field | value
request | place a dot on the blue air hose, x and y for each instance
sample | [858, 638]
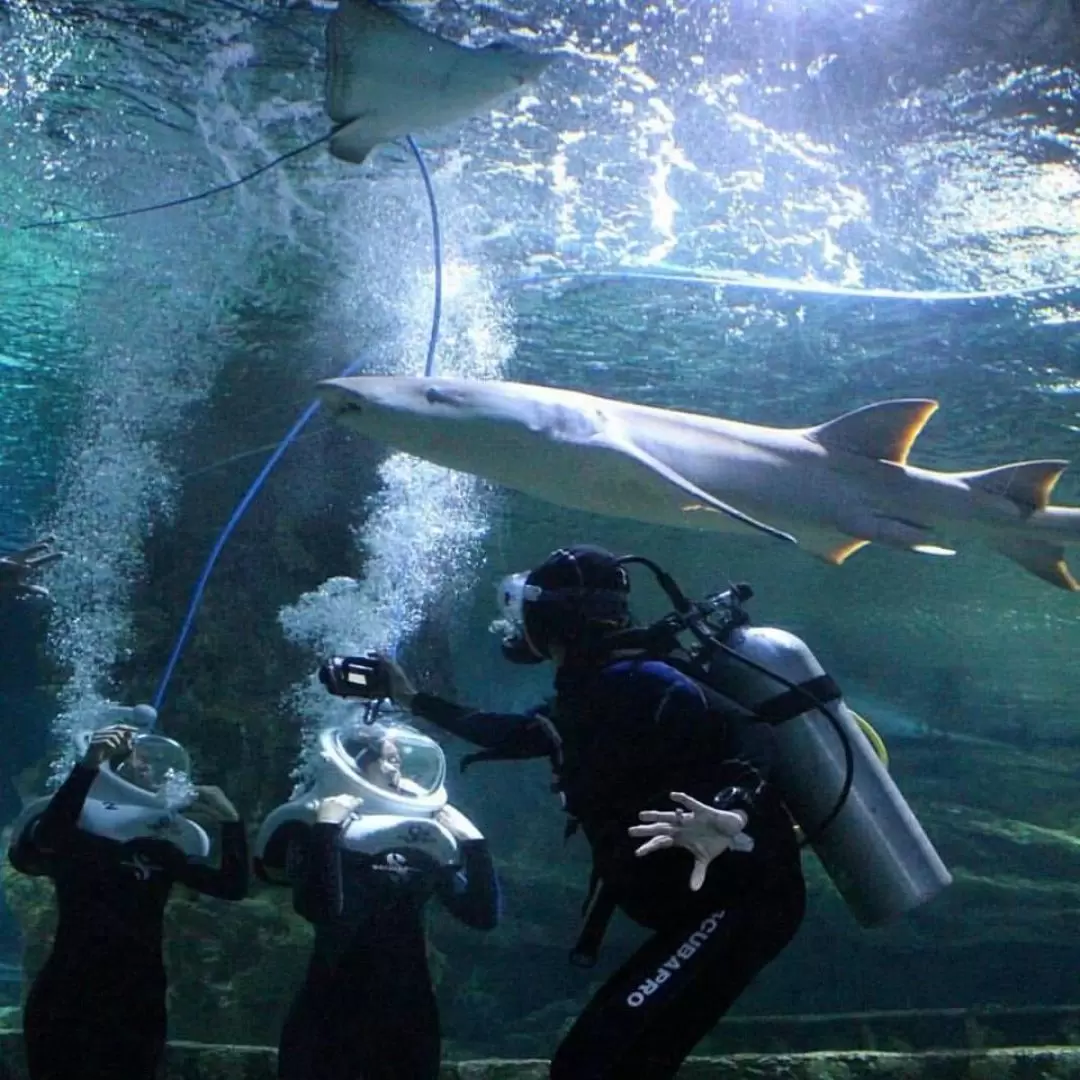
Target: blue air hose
[294, 431]
[436, 242]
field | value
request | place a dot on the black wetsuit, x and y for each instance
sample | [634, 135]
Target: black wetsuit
[622, 736]
[367, 1009]
[96, 1010]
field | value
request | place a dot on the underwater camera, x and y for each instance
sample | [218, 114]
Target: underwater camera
[356, 677]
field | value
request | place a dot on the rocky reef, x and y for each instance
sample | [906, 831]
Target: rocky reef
[196, 1061]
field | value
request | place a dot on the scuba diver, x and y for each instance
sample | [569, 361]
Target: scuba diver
[114, 840]
[17, 566]
[637, 720]
[364, 841]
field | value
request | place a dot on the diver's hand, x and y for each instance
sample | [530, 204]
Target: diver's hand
[108, 742]
[703, 830]
[334, 809]
[402, 690]
[212, 802]
[17, 566]
[457, 824]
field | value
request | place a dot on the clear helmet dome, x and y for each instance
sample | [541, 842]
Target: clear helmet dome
[155, 764]
[395, 759]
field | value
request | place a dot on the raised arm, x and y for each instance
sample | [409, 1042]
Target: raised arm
[229, 880]
[317, 892]
[470, 892]
[55, 832]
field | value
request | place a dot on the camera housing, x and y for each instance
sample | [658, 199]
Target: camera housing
[363, 677]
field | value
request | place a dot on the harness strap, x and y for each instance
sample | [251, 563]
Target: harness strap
[599, 906]
[795, 702]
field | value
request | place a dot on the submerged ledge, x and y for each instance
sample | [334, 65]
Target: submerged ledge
[199, 1061]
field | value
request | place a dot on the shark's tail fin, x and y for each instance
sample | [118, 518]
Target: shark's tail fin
[1044, 558]
[1028, 485]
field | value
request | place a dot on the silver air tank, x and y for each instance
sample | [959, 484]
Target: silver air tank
[874, 849]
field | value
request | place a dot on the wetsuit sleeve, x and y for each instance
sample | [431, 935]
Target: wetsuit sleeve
[317, 894]
[471, 892]
[55, 830]
[229, 881]
[520, 735]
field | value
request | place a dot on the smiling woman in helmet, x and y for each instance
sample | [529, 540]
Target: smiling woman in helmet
[364, 843]
[381, 764]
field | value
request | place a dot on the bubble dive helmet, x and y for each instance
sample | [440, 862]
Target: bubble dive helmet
[397, 772]
[140, 794]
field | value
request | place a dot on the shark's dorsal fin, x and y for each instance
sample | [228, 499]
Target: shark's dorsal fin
[884, 430]
[1026, 483]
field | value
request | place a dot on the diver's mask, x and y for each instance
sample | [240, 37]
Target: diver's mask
[577, 596]
[511, 595]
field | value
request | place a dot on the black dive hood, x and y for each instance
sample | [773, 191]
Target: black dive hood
[524, 602]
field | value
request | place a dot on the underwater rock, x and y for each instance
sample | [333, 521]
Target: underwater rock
[196, 1061]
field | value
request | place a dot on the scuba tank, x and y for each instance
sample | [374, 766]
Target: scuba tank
[118, 809]
[836, 787]
[386, 818]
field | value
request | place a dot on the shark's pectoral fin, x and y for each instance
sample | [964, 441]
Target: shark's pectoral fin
[1043, 558]
[884, 430]
[903, 534]
[1028, 484]
[835, 548]
[354, 142]
[831, 546]
[701, 500]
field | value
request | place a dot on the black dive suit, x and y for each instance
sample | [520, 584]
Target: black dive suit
[96, 1010]
[622, 735]
[367, 1010]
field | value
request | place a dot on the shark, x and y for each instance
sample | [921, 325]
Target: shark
[833, 487]
[387, 78]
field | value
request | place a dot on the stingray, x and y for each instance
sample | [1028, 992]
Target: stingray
[387, 78]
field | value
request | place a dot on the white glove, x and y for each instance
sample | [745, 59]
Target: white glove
[704, 831]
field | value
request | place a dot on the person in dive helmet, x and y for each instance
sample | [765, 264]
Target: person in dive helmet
[717, 878]
[364, 845]
[115, 837]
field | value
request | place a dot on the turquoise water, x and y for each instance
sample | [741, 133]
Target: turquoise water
[770, 212]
